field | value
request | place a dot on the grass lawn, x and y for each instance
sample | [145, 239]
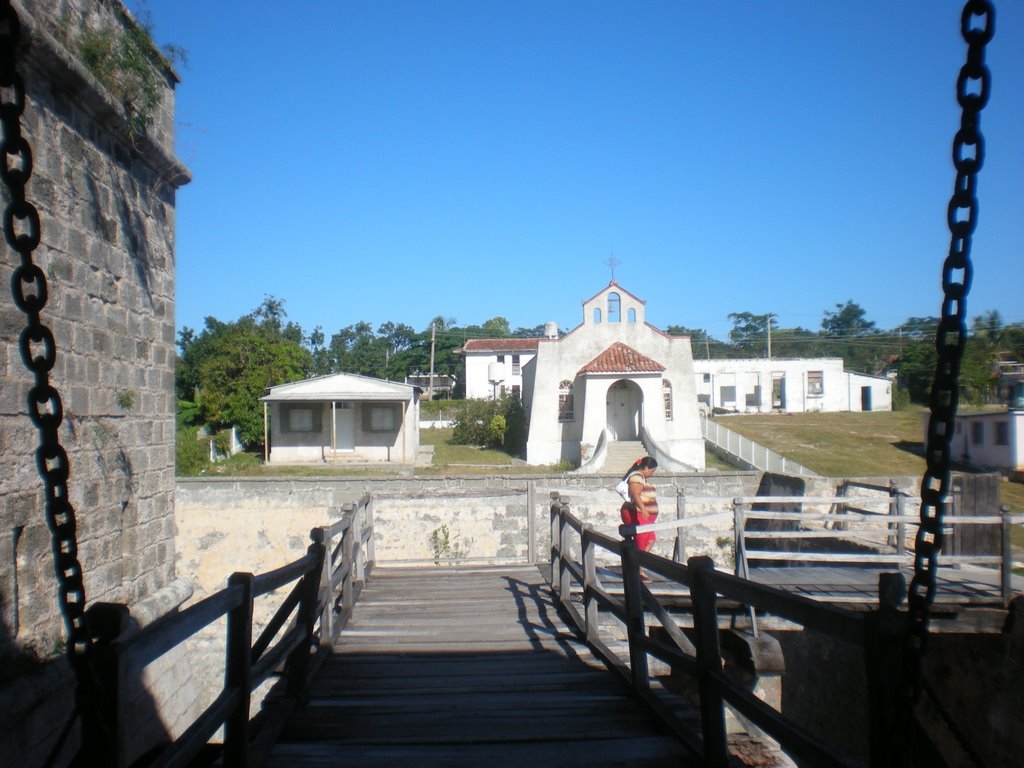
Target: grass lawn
[851, 444]
[855, 444]
[841, 444]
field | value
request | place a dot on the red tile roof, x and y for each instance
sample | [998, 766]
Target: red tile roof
[500, 345]
[619, 358]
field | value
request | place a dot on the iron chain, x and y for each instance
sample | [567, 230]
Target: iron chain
[22, 230]
[977, 27]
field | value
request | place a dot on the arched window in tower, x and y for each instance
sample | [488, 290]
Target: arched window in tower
[666, 394]
[565, 404]
[631, 315]
[613, 307]
[597, 315]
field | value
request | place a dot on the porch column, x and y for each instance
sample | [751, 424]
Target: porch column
[266, 442]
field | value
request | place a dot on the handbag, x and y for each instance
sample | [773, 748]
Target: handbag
[622, 488]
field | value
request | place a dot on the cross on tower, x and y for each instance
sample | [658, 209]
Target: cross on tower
[613, 263]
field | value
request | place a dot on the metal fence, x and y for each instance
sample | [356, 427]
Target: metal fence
[747, 452]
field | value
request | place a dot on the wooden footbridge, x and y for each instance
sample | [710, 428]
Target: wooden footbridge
[582, 661]
[464, 667]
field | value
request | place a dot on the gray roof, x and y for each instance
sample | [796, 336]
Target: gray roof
[341, 386]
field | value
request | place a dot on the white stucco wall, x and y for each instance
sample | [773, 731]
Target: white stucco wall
[399, 445]
[478, 384]
[841, 390]
[561, 359]
[976, 439]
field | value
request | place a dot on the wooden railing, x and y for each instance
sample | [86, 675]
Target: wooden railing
[877, 633]
[325, 584]
[857, 534]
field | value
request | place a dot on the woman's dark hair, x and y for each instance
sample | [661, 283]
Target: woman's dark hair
[647, 462]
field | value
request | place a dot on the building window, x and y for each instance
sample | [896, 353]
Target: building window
[501, 358]
[565, 404]
[597, 314]
[516, 370]
[666, 395]
[613, 307]
[754, 398]
[299, 419]
[517, 392]
[631, 315]
[707, 378]
[727, 396]
[380, 418]
[815, 383]
[1002, 433]
[977, 433]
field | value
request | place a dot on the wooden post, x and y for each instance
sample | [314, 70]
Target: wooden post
[238, 673]
[739, 544]
[635, 630]
[1006, 570]
[348, 551]
[553, 534]
[305, 618]
[894, 503]
[103, 740]
[709, 661]
[531, 526]
[901, 526]
[679, 553]
[371, 551]
[564, 550]
[883, 633]
[322, 536]
[358, 523]
[590, 582]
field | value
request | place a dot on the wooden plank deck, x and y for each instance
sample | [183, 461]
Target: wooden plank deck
[467, 667]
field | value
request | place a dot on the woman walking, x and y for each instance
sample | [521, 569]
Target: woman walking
[642, 507]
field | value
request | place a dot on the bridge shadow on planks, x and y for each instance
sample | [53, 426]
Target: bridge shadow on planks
[467, 667]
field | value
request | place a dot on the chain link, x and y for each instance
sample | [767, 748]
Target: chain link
[22, 230]
[977, 27]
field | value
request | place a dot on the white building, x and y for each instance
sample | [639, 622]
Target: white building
[494, 367]
[988, 439]
[613, 378]
[993, 439]
[342, 417]
[788, 385]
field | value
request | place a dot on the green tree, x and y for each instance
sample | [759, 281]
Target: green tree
[496, 328]
[749, 332]
[537, 332]
[223, 371]
[849, 319]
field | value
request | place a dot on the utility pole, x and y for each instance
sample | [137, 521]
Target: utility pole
[769, 317]
[430, 389]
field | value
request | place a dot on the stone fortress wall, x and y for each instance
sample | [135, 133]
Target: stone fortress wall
[105, 193]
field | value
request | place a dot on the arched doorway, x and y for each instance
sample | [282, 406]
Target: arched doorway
[623, 407]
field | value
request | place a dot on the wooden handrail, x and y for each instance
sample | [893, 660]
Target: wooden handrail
[316, 577]
[702, 658]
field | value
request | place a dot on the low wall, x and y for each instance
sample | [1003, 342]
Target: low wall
[255, 524]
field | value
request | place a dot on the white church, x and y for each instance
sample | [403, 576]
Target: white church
[615, 380]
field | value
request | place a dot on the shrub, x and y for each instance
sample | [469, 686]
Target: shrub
[491, 423]
[192, 455]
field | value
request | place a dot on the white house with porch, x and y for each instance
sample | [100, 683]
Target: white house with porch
[341, 417]
[614, 378]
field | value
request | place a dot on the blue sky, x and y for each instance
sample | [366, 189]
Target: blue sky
[399, 159]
